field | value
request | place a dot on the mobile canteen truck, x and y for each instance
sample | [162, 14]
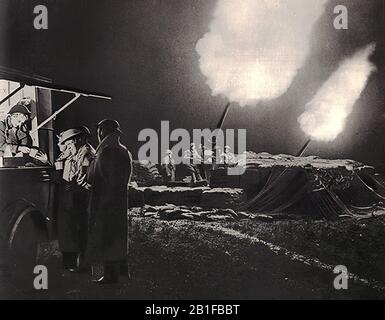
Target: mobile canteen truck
[28, 194]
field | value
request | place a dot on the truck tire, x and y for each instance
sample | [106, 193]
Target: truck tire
[22, 232]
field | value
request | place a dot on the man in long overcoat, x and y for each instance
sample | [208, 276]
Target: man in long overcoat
[109, 176]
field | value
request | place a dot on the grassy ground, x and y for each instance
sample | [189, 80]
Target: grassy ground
[359, 245]
[200, 260]
[197, 260]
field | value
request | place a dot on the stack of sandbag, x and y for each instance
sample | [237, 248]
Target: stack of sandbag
[146, 174]
[171, 212]
[223, 198]
[177, 196]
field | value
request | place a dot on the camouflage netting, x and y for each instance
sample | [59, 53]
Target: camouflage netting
[307, 185]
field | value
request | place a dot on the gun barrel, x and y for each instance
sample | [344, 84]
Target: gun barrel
[303, 149]
[224, 115]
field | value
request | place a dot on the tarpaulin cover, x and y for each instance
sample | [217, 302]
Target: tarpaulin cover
[311, 186]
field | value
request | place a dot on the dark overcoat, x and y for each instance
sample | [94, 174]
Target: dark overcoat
[72, 217]
[109, 176]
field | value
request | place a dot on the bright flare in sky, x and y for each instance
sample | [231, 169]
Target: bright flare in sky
[255, 47]
[326, 114]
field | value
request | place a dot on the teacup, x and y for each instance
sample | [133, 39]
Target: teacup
[59, 165]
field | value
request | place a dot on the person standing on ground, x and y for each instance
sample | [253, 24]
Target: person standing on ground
[109, 176]
[76, 155]
[169, 167]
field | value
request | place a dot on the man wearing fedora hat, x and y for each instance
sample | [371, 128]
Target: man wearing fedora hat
[109, 176]
[76, 155]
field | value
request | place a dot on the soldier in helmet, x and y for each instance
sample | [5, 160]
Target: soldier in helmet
[227, 157]
[194, 159]
[15, 138]
[169, 166]
[14, 132]
[109, 176]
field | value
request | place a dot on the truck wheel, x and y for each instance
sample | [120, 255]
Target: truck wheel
[27, 229]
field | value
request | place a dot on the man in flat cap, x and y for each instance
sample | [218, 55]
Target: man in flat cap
[109, 176]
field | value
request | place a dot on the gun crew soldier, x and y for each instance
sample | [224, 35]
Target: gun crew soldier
[194, 159]
[227, 157]
[169, 167]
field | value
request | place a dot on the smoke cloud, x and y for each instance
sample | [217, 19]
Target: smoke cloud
[326, 114]
[255, 47]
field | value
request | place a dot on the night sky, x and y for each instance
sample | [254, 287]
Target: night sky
[142, 52]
